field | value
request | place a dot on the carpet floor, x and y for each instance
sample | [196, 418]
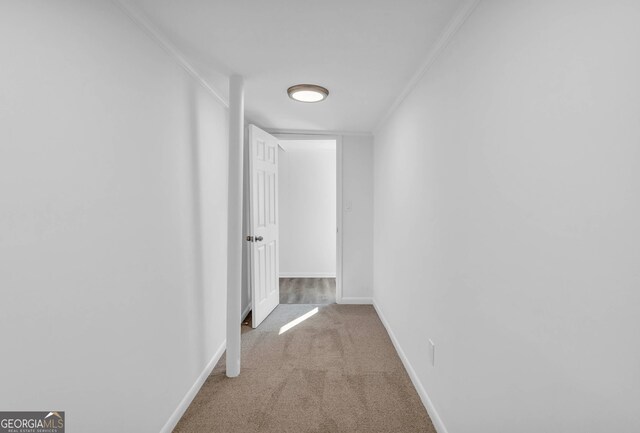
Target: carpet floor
[332, 370]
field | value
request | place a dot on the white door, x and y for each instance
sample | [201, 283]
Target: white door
[263, 224]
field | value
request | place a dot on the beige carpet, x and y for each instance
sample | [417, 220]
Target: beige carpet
[336, 371]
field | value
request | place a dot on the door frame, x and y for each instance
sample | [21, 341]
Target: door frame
[280, 135]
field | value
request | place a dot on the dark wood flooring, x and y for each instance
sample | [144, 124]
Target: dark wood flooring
[307, 290]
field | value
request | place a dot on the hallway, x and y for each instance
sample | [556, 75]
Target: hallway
[427, 211]
[335, 371]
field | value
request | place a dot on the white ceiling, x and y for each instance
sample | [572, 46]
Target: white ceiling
[363, 51]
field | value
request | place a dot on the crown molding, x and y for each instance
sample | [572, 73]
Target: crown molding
[144, 23]
[459, 18]
[301, 132]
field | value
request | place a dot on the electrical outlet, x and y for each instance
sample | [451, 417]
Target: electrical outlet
[432, 353]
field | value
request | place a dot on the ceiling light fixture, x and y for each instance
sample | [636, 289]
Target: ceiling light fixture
[307, 93]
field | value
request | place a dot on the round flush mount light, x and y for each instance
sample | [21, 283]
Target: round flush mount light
[307, 93]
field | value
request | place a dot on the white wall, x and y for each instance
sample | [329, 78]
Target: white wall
[307, 208]
[357, 218]
[506, 220]
[113, 180]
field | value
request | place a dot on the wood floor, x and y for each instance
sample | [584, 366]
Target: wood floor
[307, 290]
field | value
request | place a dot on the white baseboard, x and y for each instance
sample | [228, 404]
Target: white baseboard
[306, 275]
[357, 301]
[245, 313]
[426, 401]
[191, 394]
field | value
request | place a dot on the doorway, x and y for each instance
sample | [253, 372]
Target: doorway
[261, 216]
[308, 211]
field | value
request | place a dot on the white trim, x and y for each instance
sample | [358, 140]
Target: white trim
[302, 134]
[459, 18]
[426, 401]
[193, 391]
[307, 275]
[339, 220]
[245, 313]
[298, 135]
[145, 24]
[356, 301]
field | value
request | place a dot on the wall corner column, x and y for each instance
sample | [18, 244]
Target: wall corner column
[234, 235]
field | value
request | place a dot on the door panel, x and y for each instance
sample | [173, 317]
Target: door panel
[263, 217]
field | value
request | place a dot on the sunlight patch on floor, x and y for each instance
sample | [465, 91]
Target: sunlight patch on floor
[297, 321]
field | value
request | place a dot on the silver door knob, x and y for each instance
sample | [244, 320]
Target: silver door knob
[259, 238]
